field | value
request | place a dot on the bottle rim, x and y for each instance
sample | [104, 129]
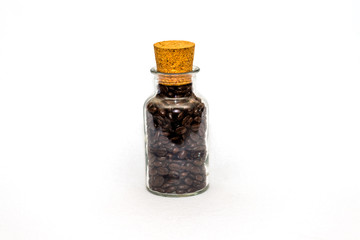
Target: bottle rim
[195, 70]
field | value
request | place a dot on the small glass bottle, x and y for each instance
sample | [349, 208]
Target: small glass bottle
[175, 131]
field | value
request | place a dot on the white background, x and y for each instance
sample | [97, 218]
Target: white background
[282, 82]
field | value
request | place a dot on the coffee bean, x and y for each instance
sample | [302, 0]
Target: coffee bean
[162, 171]
[197, 182]
[161, 190]
[199, 178]
[151, 108]
[171, 189]
[152, 171]
[161, 152]
[180, 130]
[195, 127]
[183, 187]
[188, 166]
[182, 154]
[166, 134]
[176, 150]
[198, 163]
[162, 158]
[162, 112]
[159, 120]
[184, 174]
[200, 148]
[166, 185]
[173, 181]
[158, 181]
[187, 121]
[202, 185]
[180, 116]
[174, 174]
[194, 137]
[158, 164]
[174, 166]
[188, 181]
[195, 169]
[197, 119]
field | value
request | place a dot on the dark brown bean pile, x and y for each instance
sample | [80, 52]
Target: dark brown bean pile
[176, 133]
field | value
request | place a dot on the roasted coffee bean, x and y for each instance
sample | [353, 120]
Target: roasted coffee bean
[152, 171]
[161, 190]
[162, 112]
[182, 154]
[166, 185]
[175, 139]
[166, 133]
[171, 189]
[158, 181]
[184, 174]
[195, 169]
[191, 175]
[162, 171]
[151, 108]
[197, 119]
[199, 178]
[174, 166]
[163, 139]
[173, 181]
[157, 135]
[196, 183]
[183, 187]
[174, 174]
[159, 164]
[180, 116]
[187, 121]
[188, 166]
[195, 127]
[180, 130]
[170, 116]
[188, 181]
[159, 120]
[201, 107]
[176, 150]
[161, 152]
[200, 148]
[194, 137]
[202, 185]
[201, 132]
[198, 163]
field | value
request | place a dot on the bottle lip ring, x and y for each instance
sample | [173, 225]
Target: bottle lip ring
[195, 70]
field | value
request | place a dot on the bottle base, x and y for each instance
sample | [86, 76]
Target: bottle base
[178, 195]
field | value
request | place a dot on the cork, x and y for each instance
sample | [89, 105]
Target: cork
[174, 56]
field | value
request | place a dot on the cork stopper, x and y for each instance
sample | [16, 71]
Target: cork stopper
[174, 56]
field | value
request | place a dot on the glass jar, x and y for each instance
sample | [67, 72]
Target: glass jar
[176, 136]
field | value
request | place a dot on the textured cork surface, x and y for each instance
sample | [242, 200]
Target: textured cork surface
[173, 80]
[174, 56]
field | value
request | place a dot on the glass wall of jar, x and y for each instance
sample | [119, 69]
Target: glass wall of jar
[176, 136]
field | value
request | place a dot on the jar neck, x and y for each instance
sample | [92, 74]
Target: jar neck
[175, 85]
[175, 91]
